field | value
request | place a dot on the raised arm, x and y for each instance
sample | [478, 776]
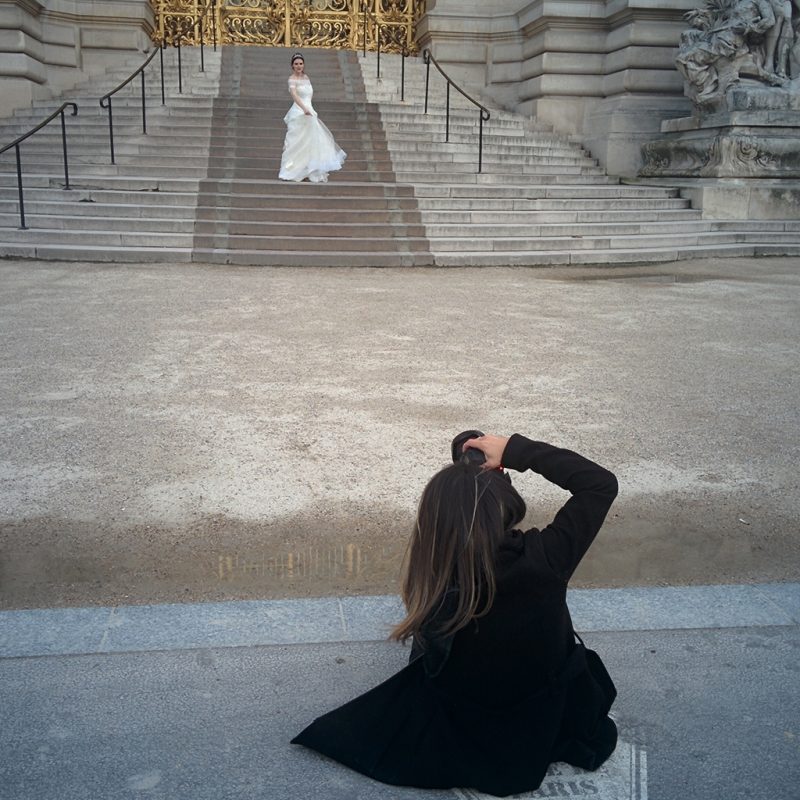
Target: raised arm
[567, 538]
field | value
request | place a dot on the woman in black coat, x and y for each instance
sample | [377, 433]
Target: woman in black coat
[498, 687]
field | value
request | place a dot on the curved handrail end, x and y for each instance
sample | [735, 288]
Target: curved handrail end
[428, 57]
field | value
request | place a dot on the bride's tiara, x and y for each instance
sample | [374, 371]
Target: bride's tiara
[297, 55]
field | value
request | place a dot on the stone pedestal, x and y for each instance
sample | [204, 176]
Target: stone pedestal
[754, 134]
[745, 153]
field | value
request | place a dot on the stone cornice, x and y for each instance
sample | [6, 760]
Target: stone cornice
[32, 7]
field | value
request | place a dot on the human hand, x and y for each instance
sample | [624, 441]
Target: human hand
[492, 447]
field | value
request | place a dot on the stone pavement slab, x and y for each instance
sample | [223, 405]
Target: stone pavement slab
[76, 631]
[704, 712]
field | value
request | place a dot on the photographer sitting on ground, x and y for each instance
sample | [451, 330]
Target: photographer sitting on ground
[497, 688]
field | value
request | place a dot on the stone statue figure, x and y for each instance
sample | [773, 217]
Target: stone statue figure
[734, 39]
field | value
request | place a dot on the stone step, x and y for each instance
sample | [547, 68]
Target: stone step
[318, 244]
[572, 229]
[276, 212]
[496, 210]
[546, 176]
[461, 164]
[245, 186]
[524, 192]
[583, 242]
[97, 238]
[314, 258]
[86, 251]
[309, 229]
[78, 222]
[524, 148]
[611, 257]
[528, 220]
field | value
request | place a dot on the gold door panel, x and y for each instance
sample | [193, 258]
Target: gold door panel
[342, 24]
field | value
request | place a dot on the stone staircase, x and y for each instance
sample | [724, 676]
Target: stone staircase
[141, 209]
[540, 199]
[202, 184]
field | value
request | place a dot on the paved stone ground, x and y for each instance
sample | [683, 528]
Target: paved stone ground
[174, 433]
[199, 702]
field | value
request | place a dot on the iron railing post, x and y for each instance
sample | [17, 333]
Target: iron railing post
[180, 68]
[447, 122]
[480, 141]
[111, 129]
[106, 100]
[427, 57]
[214, 23]
[18, 154]
[161, 59]
[22, 224]
[202, 53]
[485, 115]
[144, 109]
[64, 149]
[378, 37]
[403, 75]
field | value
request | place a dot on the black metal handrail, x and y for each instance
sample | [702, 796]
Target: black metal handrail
[483, 112]
[177, 35]
[105, 100]
[186, 30]
[17, 142]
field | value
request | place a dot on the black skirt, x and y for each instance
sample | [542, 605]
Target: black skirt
[409, 731]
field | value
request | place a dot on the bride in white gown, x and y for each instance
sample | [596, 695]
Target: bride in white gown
[309, 150]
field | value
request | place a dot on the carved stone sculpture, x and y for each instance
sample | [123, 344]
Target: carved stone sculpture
[734, 39]
[741, 64]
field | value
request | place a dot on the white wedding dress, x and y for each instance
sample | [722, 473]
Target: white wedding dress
[309, 150]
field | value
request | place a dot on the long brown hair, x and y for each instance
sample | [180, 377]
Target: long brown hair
[450, 565]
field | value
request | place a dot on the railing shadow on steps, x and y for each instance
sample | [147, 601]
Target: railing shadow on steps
[483, 112]
[179, 33]
[403, 56]
[17, 142]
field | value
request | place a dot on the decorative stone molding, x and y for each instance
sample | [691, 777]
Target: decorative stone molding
[725, 153]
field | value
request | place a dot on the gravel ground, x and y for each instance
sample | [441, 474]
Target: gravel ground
[190, 432]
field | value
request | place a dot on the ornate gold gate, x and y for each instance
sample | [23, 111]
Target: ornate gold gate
[343, 24]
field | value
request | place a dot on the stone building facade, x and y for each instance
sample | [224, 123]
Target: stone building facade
[603, 70]
[47, 46]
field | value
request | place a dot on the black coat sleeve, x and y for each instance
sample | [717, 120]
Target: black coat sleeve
[567, 538]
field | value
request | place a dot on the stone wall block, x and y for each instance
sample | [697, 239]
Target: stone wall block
[18, 42]
[640, 81]
[638, 57]
[21, 65]
[564, 40]
[545, 86]
[69, 39]
[563, 64]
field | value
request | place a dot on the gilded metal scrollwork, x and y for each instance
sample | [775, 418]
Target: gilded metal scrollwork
[342, 24]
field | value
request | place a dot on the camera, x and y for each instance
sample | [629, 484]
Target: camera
[469, 456]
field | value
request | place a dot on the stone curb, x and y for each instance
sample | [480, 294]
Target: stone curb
[82, 631]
